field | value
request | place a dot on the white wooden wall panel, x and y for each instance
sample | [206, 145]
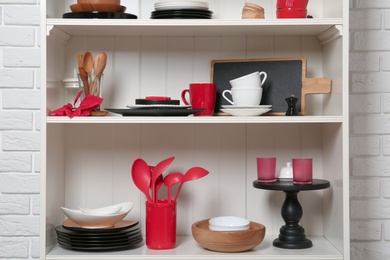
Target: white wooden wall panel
[179, 65]
[153, 66]
[126, 143]
[125, 85]
[206, 49]
[76, 150]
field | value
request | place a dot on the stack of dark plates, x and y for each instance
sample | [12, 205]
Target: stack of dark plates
[171, 9]
[124, 235]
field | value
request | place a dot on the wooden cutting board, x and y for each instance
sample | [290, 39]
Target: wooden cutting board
[285, 77]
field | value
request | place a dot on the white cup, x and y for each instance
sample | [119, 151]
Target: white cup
[252, 80]
[244, 97]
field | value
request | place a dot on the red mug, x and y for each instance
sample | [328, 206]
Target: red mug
[161, 225]
[202, 96]
[281, 4]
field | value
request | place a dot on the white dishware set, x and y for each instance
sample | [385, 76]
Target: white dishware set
[246, 93]
[228, 223]
[98, 217]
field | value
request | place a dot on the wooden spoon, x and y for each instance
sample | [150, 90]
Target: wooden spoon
[99, 64]
[88, 65]
[83, 73]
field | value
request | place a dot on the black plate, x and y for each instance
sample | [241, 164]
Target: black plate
[104, 243]
[140, 101]
[179, 16]
[99, 15]
[121, 225]
[155, 112]
[87, 233]
[183, 11]
[101, 240]
[98, 237]
[132, 245]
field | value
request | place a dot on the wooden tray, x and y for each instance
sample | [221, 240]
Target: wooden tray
[285, 77]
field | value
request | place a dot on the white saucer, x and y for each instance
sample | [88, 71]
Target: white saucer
[246, 107]
[246, 112]
[169, 5]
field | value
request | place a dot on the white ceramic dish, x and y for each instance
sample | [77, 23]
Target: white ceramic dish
[227, 229]
[102, 211]
[245, 107]
[169, 5]
[246, 112]
[87, 220]
[228, 223]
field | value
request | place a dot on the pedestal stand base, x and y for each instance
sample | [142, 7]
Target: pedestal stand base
[294, 245]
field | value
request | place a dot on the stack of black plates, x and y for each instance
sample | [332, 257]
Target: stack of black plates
[124, 235]
[181, 10]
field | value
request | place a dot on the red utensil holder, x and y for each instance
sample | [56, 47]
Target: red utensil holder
[161, 225]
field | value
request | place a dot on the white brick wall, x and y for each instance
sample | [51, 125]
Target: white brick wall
[370, 129]
[19, 129]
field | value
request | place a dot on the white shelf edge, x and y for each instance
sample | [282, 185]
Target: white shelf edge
[198, 27]
[197, 22]
[195, 120]
[188, 249]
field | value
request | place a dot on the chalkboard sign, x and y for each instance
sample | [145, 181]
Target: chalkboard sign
[284, 78]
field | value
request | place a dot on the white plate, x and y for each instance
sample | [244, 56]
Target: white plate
[157, 106]
[245, 107]
[180, 5]
[88, 220]
[246, 112]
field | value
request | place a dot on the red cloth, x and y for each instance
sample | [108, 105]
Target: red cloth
[89, 103]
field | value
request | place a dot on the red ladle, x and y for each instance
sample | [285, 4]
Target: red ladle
[157, 171]
[192, 174]
[170, 180]
[141, 177]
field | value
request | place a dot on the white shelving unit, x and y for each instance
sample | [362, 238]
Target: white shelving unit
[86, 161]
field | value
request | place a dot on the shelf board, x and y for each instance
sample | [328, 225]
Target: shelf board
[188, 27]
[195, 120]
[187, 248]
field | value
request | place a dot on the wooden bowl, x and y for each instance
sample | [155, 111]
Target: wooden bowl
[113, 2]
[228, 241]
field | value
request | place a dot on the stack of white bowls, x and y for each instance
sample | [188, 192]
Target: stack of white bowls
[228, 223]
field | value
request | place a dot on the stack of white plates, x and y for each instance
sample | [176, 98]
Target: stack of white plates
[174, 5]
[246, 110]
[171, 9]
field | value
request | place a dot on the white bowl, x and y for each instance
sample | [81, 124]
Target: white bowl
[103, 211]
[227, 228]
[87, 220]
[226, 223]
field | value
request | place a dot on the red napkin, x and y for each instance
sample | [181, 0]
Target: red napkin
[89, 103]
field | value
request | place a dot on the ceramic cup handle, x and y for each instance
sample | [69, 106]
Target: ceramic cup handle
[183, 96]
[226, 98]
[264, 77]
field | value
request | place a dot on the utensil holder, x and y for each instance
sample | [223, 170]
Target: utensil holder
[161, 225]
[91, 84]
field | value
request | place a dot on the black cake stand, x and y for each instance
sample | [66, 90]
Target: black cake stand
[292, 235]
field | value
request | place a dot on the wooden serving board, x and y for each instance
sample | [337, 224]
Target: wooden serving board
[285, 77]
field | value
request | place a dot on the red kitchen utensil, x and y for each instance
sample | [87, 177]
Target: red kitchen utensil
[157, 171]
[172, 179]
[140, 173]
[192, 174]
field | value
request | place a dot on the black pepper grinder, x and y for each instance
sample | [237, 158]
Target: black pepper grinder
[292, 106]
